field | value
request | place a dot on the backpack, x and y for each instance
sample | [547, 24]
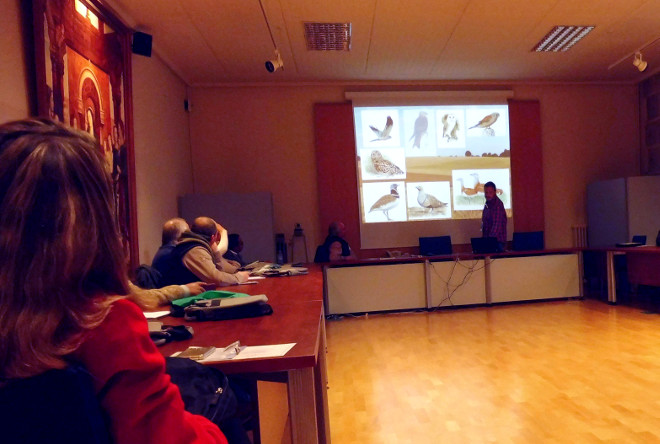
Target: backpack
[205, 390]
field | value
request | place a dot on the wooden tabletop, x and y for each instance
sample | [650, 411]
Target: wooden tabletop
[297, 303]
[642, 249]
[449, 257]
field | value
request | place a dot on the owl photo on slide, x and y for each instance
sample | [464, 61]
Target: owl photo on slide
[450, 127]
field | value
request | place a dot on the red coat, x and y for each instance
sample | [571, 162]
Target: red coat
[132, 386]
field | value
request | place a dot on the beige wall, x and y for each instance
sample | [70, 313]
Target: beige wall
[13, 89]
[590, 133]
[262, 138]
[162, 148]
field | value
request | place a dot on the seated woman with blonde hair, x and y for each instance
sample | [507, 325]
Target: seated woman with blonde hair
[64, 294]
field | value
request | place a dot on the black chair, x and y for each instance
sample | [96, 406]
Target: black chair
[528, 240]
[148, 277]
[435, 246]
[639, 239]
[318, 255]
[58, 406]
[485, 245]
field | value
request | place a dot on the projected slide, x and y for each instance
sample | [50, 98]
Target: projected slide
[431, 162]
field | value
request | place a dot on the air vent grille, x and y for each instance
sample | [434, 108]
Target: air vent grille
[562, 38]
[328, 36]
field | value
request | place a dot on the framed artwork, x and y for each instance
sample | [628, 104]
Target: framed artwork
[82, 57]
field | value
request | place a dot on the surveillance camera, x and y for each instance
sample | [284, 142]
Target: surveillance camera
[274, 65]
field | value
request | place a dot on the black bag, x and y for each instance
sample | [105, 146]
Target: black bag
[205, 390]
[223, 309]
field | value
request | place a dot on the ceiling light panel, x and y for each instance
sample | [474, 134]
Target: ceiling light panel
[562, 38]
[328, 36]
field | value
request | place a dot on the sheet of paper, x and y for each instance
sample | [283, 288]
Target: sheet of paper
[265, 351]
[255, 278]
[155, 314]
[251, 352]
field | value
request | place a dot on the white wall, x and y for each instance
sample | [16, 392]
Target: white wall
[162, 148]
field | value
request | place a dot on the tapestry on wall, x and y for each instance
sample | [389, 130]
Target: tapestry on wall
[83, 66]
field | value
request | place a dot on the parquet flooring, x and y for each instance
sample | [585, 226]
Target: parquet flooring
[556, 372]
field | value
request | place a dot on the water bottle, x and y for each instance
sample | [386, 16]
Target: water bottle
[280, 248]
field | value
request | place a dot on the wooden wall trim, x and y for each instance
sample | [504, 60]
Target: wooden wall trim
[526, 165]
[336, 168]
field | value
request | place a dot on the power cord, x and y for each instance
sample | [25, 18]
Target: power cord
[451, 289]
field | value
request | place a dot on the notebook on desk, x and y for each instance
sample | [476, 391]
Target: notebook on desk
[269, 270]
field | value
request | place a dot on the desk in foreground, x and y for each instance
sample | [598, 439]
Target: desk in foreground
[297, 317]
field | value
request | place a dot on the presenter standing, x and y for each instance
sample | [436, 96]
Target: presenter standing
[493, 219]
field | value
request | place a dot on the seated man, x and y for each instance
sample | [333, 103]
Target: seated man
[335, 247]
[198, 256]
[163, 259]
[235, 247]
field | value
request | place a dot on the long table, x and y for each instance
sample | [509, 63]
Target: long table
[643, 266]
[451, 280]
[297, 317]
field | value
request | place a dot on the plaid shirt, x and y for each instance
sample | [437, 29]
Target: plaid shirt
[493, 220]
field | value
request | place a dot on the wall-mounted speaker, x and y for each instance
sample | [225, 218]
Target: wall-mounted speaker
[142, 43]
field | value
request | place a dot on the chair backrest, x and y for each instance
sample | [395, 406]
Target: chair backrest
[435, 246]
[148, 277]
[528, 240]
[58, 406]
[639, 238]
[484, 245]
[319, 256]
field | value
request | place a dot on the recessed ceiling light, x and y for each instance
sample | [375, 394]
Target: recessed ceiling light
[328, 36]
[562, 38]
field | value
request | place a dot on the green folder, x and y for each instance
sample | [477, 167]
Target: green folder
[179, 304]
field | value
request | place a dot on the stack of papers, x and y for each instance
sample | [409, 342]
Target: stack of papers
[250, 352]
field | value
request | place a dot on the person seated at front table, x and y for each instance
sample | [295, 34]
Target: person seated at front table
[335, 247]
[234, 249]
[64, 294]
[199, 256]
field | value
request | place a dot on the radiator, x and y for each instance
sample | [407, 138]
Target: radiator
[579, 235]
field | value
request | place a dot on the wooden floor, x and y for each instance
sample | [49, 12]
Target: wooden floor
[557, 372]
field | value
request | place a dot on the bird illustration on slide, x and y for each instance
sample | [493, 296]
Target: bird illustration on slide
[486, 124]
[383, 134]
[480, 186]
[428, 201]
[450, 127]
[383, 166]
[387, 202]
[421, 126]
